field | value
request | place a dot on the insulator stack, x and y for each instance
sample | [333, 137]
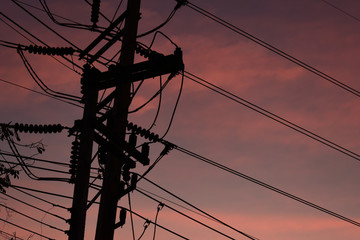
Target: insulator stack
[74, 159]
[142, 51]
[35, 128]
[59, 51]
[126, 170]
[95, 12]
[147, 53]
[143, 132]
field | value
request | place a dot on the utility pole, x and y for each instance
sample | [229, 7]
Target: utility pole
[118, 156]
[117, 128]
[81, 174]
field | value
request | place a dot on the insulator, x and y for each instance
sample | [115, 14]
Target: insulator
[134, 179]
[35, 128]
[130, 126]
[74, 159]
[145, 149]
[126, 176]
[122, 217]
[95, 11]
[143, 132]
[132, 140]
[60, 51]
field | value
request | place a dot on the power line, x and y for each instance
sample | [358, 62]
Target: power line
[286, 194]
[18, 188]
[26, 229]
[36, 220]
[37, 208]
[10, 236]
[341, 10]
[39, 40]
[160, 226]
[45, 25]
[198, 209]
[42, 85]
[272, 116]
[187, 216]
[273, 49]
[34, 91]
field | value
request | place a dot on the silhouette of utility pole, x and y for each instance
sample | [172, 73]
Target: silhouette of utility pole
[83, 160]
[117, 122]
[118, 156]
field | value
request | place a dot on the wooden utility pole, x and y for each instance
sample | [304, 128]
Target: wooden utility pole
[116, 125]
[82, 175]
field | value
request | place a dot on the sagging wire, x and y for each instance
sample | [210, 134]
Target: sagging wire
[176, 105]
[29, 217]
[164, 35]
[158, 108]
[200, 212]
[189, 217]
[146, 225]
[148, 222]
[51, 15]
[171, 15]
[41, 93]
[42, 85]
[18, 226]
[12, 145]
[32, 35]
[158, 209]
[152, 98]
[168, 147]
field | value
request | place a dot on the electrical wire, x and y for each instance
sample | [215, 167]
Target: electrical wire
[10, 236]
[36, 167]
[18, 188]
[158, 209]
[33, 36]
[131, 216]
[171, 15]
[117, 9]
[158, 107]
[187, 216]
[277, 190]
[149, 221]
[26, 229]
[42, 85]
[34, 91]
[35, 159]
[34, 219]
[35, 207]
[24, 166]
[209, 216]
[177, 204]
[272, 116]
[176, 105]
[97, 187]
[152, 98]
[46, 26]
[73, 24]
[273, 49]
[341, 10]
[15, 29]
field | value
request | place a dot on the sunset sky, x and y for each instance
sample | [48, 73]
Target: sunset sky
[323, 34]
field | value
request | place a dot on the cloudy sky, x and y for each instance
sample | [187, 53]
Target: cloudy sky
[323, 34]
